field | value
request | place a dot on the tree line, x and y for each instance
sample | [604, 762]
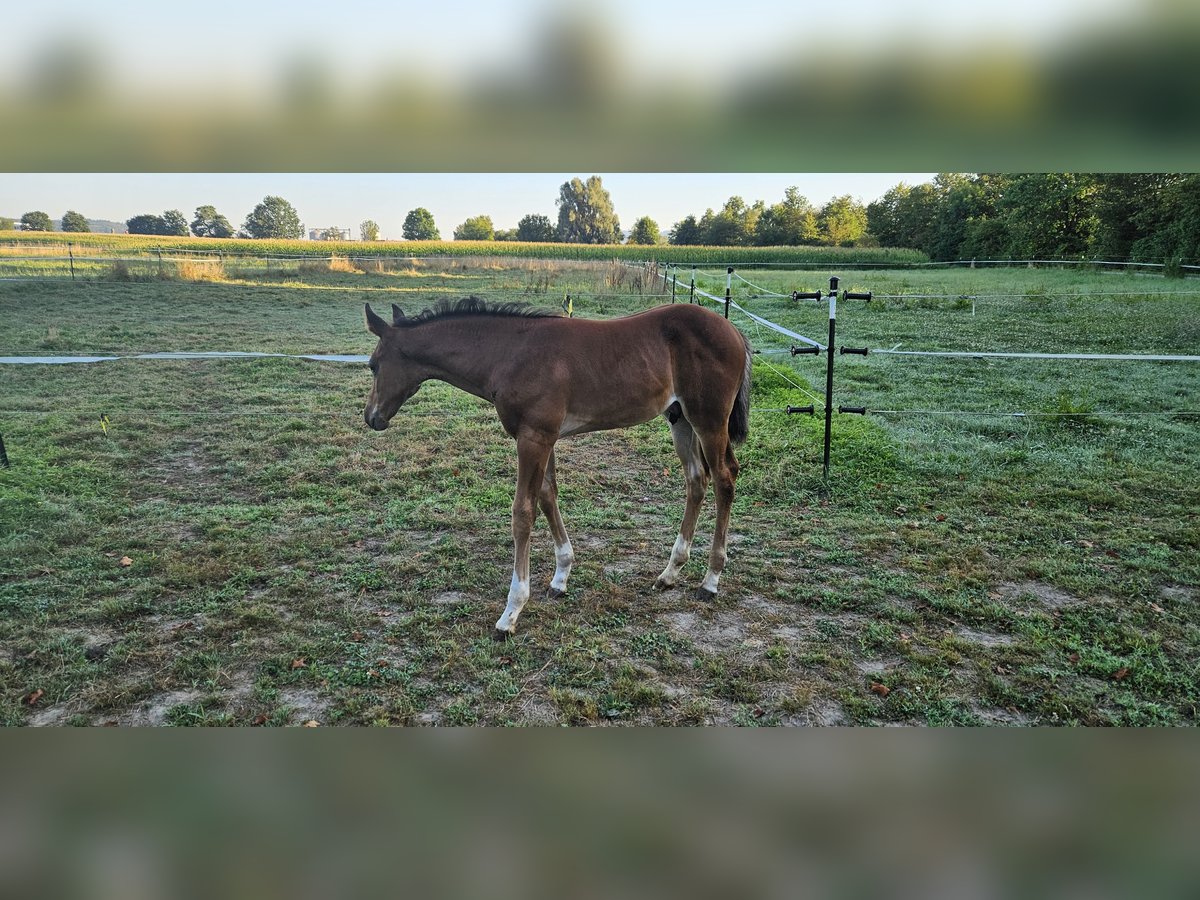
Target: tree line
[585, 216]
[1122, 216]
[1141, 217]
[273, 218]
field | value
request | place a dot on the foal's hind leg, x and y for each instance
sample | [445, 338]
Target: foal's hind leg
[695, 472]
[724, 468]
[564, 556]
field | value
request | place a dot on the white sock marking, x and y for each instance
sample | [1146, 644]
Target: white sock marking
[564, 558]
[518, 593]
[679, 556]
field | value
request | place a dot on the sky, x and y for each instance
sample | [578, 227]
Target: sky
[325, 200]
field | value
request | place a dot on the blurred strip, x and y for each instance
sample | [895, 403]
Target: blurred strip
[609, 87]
[900, 814]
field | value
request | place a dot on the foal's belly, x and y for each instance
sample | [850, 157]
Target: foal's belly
[579, 421]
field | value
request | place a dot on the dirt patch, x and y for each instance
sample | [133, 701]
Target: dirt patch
[450, 598]
[726, 631]
[873, 668]
[765, 608]
[823, 713]
[1046, 595]
[996, 716]
[174, 627]
[191, 473]
[790, 634]
[239, 688]
[154, 710]
[51, 715]
[1177, 593]
[985, 638]
[304, 706]
[538, 712]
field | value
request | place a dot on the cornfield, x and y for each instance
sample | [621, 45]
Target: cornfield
[15, 244]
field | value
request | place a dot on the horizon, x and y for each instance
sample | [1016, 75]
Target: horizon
[344, 200]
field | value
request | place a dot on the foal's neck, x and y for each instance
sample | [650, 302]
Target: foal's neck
[462, 351]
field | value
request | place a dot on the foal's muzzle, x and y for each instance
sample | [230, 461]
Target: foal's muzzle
[374, 420]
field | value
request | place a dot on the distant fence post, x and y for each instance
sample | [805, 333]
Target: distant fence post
[71, 257]
[692, 291]
[728, 288]
[674, 282]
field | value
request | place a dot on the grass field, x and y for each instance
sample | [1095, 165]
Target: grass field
[223, 542]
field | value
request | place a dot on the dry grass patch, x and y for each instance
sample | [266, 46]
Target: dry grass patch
[199, 270]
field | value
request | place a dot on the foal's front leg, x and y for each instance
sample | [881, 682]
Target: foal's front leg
[533, 452]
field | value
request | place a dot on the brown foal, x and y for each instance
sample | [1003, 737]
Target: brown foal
[550, 377]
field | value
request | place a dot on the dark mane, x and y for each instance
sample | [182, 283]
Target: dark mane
[473, 306]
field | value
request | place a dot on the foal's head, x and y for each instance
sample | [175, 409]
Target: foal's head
[396, 378]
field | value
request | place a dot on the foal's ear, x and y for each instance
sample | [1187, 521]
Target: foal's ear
[375, 325]
[397, 314]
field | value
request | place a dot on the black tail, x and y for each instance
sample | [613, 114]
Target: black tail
[739, 416]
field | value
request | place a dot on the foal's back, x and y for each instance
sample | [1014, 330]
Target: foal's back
[679, 333]
[611, 373]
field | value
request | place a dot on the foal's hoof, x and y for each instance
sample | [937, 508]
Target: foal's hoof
[660, 585]
[500, 636]
[703, 594]
[555, 594]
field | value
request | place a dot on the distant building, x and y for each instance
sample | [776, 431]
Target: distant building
[329, 234]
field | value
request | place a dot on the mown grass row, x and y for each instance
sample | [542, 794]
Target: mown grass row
[17, 243]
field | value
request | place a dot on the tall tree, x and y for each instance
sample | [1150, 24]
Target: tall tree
[1049, 214]
[36, 221]
[966, 209]
[686, 232]
[476, 228]
[210, 224]
[790, 222]
[174, 224]
[645, 231]
[368, 230]
[585, 213]
[73, 221]
[274, 218]
[1130, 209]
[146, 223]
[1170, 224]
[419, 226]
[734, 226]
[883, 216]
[842, 220]
[535, 227]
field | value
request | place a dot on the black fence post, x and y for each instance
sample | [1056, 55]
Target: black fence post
[833, 288]
[71, 257]
[674, 282]
[728, 286]
[692, 292]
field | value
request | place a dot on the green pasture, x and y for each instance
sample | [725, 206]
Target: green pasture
[224, 542]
